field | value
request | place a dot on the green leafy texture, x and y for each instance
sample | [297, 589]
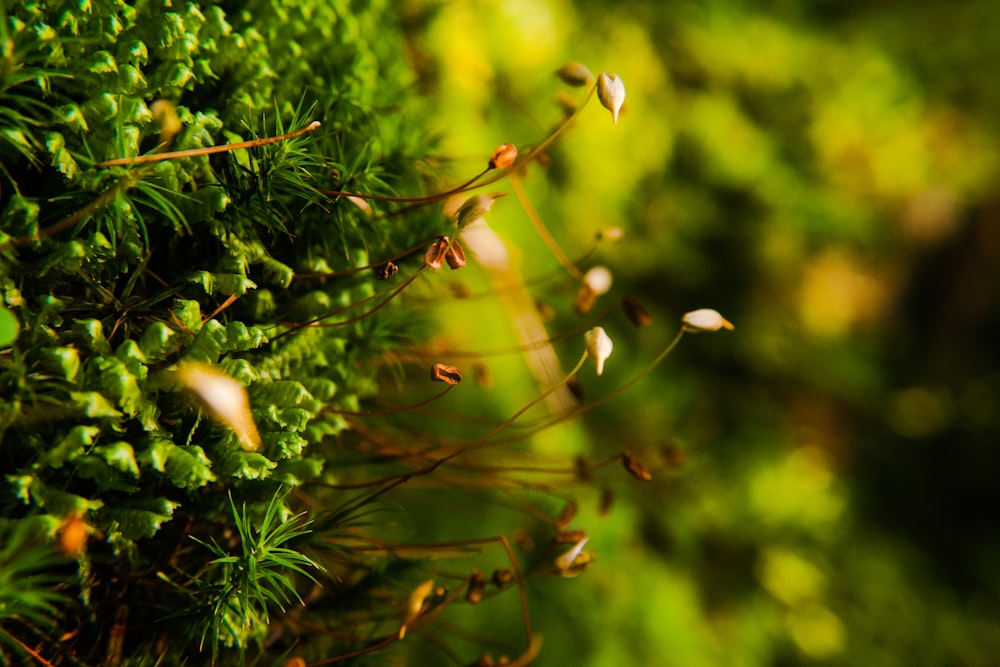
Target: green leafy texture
[111, 276]
[186, 467]
[136, 519]
[231, 460]
[9, 327]
[72, 445]
[30, 600]
[157, 341]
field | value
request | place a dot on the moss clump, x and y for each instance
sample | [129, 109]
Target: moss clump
[112, 276]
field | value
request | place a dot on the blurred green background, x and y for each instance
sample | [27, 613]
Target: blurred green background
[825, 174]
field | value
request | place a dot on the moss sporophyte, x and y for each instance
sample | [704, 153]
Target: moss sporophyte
[214, 360]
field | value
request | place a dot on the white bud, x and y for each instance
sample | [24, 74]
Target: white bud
[598, 279]
[611, 234]
[573, 561]
[705, 319]
[361, 203]
[226, 400]
[599, 346]
[611, 93]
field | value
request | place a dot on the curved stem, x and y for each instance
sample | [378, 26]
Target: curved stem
[425, 199]
[527, 406]
[390, 411]
[315, 322]
[519, 164]
[393, 482]
[367, 267]
[394, 637]
[522, 347]
[540, 227]
[607, 397]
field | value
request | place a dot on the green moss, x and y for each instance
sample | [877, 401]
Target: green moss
[109, 273]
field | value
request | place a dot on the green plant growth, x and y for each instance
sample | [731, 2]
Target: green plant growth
[31, 574]
[239, 589]
[218, 238]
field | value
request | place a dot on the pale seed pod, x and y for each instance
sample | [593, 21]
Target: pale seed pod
[361, 203]
[573, 561]
[705, 320]
[611, 234]
[611, 93]
[225, 399]
[599, 346]
[598, 279]
[415, 604]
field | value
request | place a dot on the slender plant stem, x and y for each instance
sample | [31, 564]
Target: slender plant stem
[317, 321]
[393, 482]
[121, 185]
[437, 196]
[209, 150]
[543, 231]
[390, 411]
[572, 414]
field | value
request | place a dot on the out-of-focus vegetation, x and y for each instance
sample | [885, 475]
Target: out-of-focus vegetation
[826, 175]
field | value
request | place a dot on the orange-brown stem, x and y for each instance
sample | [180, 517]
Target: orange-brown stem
[368, 267]
[317, 321]
[498, 174]
[390, 411]
[209, 150]
[426, 199]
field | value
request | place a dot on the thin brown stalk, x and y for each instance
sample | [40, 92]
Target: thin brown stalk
[209, 150]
